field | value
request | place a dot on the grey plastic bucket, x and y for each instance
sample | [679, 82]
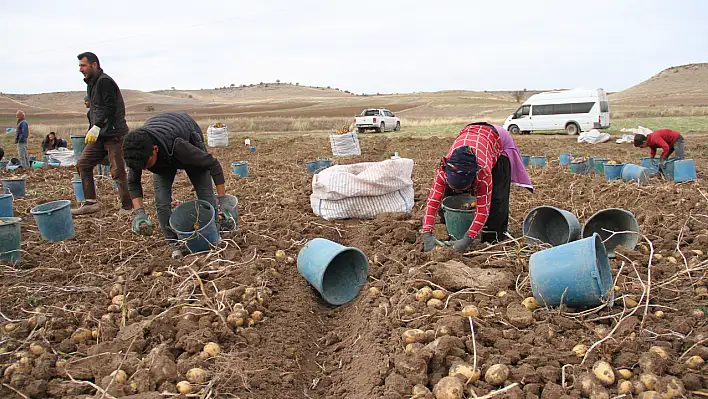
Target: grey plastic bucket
[610, 220]
[551, 225]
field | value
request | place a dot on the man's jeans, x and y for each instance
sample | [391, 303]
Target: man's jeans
[22, 154]
[92, 155]
[201, 180]
[677, 148]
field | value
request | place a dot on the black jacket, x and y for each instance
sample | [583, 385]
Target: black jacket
[106, 106]
[180, 146]
[57, 143]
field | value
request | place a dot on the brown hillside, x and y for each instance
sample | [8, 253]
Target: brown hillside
[685, 85]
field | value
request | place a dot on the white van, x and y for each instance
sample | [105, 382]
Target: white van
[574, 111]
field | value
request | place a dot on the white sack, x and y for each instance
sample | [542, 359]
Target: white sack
[593, 137]
[363, 190]
[217, 136]
[345, 145]
[638, 130]
[64, 155]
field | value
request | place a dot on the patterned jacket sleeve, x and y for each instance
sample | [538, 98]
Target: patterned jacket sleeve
[483, 192]
[437, 191]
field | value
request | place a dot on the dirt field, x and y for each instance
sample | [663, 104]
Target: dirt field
[65, 329]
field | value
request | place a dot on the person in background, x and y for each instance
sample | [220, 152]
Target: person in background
[247, 142]
[105, 136]
[484, 161]
[52, 142]
[166, 143]
[22, 132]
[670, 141]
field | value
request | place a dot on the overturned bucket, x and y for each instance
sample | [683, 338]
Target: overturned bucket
[613, 171]
[10, 240]
[312, 167]
[576, 274]
[459, 211]
[54, 220]
[607, 221]
[632, 172]
[336, 271]
[240, 168]
[551, 225]
[194, 222]
[680, 171]
[15, 186]
[564, 159]
[538, 161]
[325, 162]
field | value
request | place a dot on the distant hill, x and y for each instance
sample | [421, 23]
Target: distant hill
[685, 85]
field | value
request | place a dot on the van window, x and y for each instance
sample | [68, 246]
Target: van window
[581, 108]
[562, 109]
[543, 109]
[604, 106]
[371, 112]
[522, 111]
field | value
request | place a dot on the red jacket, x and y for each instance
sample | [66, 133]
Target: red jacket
[487, 146]
[664, 139]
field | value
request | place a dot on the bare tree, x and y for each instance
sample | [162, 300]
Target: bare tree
[519, 95]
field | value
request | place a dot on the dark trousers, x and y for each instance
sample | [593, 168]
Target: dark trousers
[498, 222]
[201, 180]
[677, 149]
[93, 155]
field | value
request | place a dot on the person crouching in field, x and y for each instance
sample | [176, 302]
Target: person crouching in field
[670, 142]
[484, 161]
[165, 143]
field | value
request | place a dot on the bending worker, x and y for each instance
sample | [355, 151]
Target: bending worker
[668, 140]
[165, 143]
[484, 161]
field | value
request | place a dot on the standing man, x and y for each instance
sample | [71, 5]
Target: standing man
[105, 136]
[165, 143]
[484, 161]
[22, 132]
[668, 140]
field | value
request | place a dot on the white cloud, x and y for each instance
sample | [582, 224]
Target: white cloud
[369, 46]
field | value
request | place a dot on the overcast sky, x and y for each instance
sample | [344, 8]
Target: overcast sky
[362, 46]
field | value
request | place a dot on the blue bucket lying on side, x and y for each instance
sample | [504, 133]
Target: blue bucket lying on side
[632, 172]
[336, 271]
[240, 168]
[324, 162]
[6, 204]
[650, 163]
[680, 171]
[576, 274]
[38, 164]
[54, 220]
[10, 240]
[526, 159]
[564, 159]
[194, 222]
[312, 167]
[551, 225]
[15, 186]
[607, 221]
[613, 171]
[538, 161]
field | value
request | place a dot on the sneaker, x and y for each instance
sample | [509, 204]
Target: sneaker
[87, 208]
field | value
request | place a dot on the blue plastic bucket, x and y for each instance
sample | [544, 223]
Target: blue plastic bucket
[650, 163]
[324, 162]
[576, 274]
[183, 220]
[16, 186]
[538, 161]
[337, 272]
[6, 205]
[599, 165]
[564, 159]
[78, 145]
[457, 219]
[253, 148]
[607, 221]
[13, 167]
[680, 170]
[613, 171]
[551, 225]
[78, 190]
[632, 172]
[54, 220]
[240, 168]
[38, 164]
[580, 167]
[10, 240]
[312, 166]
[526, 159]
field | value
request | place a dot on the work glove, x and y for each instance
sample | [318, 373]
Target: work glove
[428, 242]
[227, 221]
[462, 244]
[92, 134]
[141, 222]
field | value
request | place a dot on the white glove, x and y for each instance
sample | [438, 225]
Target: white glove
[92, 134]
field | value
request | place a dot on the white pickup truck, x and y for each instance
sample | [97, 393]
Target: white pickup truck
[378, 119]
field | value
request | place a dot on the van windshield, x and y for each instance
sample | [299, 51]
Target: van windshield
[370, 112]
[522, 111]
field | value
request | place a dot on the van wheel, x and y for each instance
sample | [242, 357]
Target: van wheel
[513, 129]
[382, 128]
[398, 127]
[572, 129]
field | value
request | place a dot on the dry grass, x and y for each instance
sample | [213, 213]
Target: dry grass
[625, 112]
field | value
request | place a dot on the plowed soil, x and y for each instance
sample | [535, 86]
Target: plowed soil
[65, 327]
